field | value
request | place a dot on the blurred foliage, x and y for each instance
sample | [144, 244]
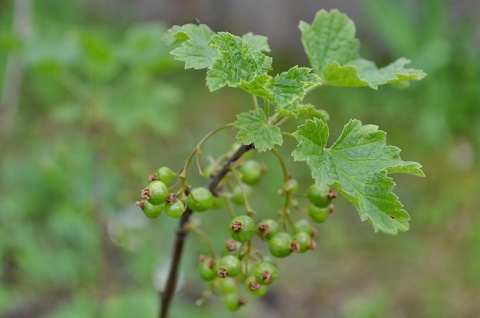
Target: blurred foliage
[104, 104]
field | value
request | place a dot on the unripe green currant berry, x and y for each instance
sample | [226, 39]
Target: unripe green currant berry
[227, 285]
[233, 301]
[265, 272]
[242, 228]
[255, 288]
[303, 225]
[206, 269]
[301, 242]
[151, 211]
[230, 266]
[156, 192]
[267, 228]
[251, 172]
[319, 195]
[166, 175]
[237, 195]
[175, 210]
[200, 199]
[319, 215]
[231, 247]
[280, 245]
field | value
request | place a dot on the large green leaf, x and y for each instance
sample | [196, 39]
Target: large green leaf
[254, 128]
[357, 165]
[332, 49]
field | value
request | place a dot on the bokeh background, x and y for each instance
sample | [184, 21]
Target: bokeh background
[92, 103]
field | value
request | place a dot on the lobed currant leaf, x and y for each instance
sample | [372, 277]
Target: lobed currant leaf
[193, 46]
[237, 64]
[291, 86]
[333, 52]
[305, 111]
[357, 165]
[254, 128]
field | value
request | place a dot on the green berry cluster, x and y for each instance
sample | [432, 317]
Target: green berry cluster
[157, 198]
[240, 268]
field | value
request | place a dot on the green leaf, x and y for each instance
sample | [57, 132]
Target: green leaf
[305, 111]
[357, 165]
[193, 40]
[333, 51]
[237, 65]
[290, 86]
[256, 42]
[255, 129]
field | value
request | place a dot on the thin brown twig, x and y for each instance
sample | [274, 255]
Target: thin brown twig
[181, 232]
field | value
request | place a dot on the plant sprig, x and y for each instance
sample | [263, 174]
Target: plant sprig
[357, 165]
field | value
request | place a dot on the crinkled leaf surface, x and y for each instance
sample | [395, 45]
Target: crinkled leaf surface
[290, 86]
[332, 49]
[237, 65]
[193, 46]
[357, 165]
[255, 129]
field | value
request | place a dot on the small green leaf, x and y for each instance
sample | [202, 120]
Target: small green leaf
[333, 51]
[357, 165]
[305, 111]
[256, 42]
[237, 65]
[290, 86]
[193, 46]
[255, 129]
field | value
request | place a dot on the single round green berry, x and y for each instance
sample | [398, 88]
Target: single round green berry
[319, 215]
[200, 199]
[166, 175]
[265, 272]
[233, 301]
[230, 266]
[237, 195]
[254, 287]
[319, 195]
[303, 225]
[150, 210]
[156, 192]
[280, 245]
[251, 172]
[267, 228]
[226, 285]
[175, 210]
[231, 247]
[242, 228]
[206, 269]
[301, 242]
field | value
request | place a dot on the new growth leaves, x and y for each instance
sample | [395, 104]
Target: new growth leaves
[359, 162]
[357, 165]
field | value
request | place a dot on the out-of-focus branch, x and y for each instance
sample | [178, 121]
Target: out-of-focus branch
[14, 71]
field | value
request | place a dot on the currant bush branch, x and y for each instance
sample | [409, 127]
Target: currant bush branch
[181, 232]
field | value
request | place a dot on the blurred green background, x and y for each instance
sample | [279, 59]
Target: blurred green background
[92, 103]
